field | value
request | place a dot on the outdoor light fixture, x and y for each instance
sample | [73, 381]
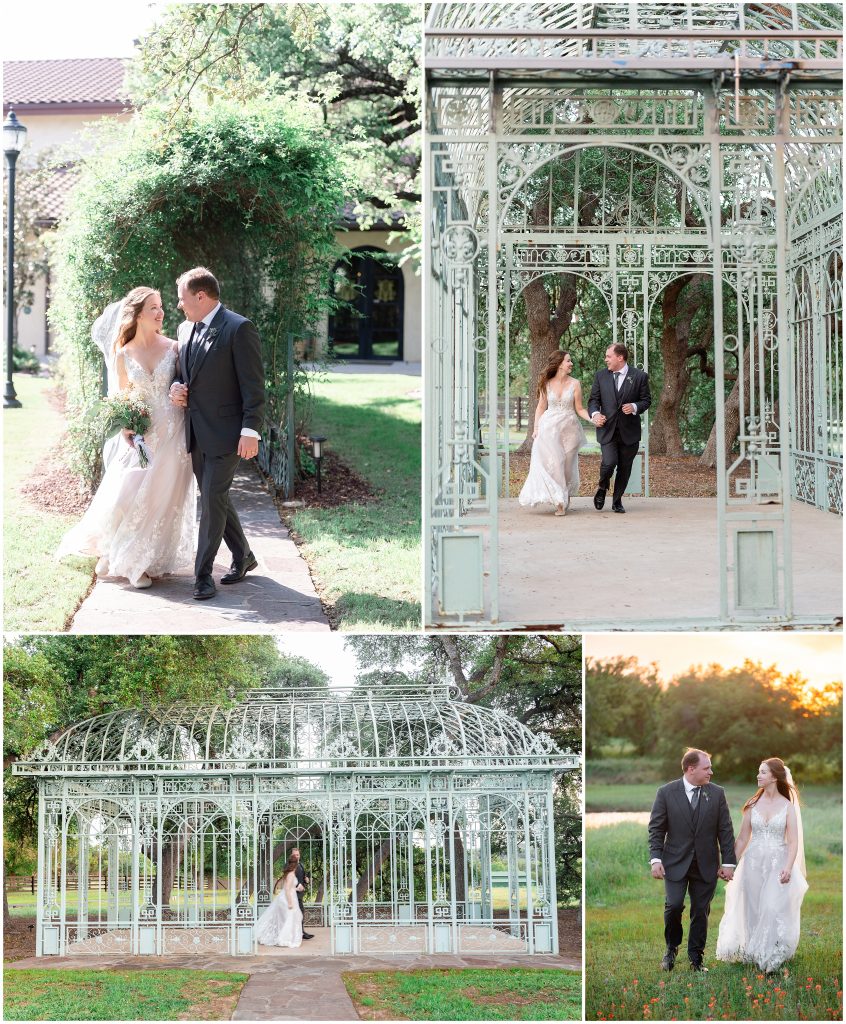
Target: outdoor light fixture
[14, 137]
[317, 452]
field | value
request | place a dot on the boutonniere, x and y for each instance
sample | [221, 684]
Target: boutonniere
[211, 333]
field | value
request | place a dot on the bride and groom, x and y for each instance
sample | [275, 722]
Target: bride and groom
[281, 924]
[204, 394]
[618, 398]
[692, 844]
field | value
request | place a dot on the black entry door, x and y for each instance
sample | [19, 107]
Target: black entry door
[369, 323]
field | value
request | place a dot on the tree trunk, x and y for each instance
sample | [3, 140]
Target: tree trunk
[680, 301]
[458, 864]
[545, 332]
[368, 877]
[7, 917]
[708, 458]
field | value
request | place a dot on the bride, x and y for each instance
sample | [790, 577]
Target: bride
[282, 923]
[140, 523]
[760, 924]
[554, 468]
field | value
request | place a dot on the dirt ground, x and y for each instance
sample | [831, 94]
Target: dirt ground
[668, 477]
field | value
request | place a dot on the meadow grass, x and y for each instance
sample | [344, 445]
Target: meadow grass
[39, 592]
[514, 993]
[624, 928]
[47, 994]
[365, 557]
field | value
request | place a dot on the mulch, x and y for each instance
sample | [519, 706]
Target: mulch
[669, 476]
[19, 938]
[570, 932]
[340, 485]
[55, 488]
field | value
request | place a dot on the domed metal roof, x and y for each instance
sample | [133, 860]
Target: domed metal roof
[624, 39]
[296, 730]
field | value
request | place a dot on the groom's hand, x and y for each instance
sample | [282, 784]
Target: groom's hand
[628, 408]
[657, 869]
[727, 874]
[247, 447]
[598, 419]
[179, 394]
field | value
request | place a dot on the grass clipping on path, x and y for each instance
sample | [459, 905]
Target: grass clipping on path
[120, 995]
[364, 556]
[514, 993]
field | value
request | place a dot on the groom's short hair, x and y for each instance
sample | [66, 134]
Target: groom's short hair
[620, 350]
[692, 758]
[200, 279]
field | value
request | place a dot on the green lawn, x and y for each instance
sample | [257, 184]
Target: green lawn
[624, 927]
[365, 558]
[51, 994]
[39, 592]
[513, 993]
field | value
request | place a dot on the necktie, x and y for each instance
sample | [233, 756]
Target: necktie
[617, 381]
[194, 343]
[694, 802]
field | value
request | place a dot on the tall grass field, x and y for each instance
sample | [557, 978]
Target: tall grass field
[624, 926]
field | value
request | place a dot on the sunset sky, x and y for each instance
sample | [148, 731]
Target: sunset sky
[815, 656]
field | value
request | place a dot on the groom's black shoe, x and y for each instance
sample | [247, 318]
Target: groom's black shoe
[669, 961]
[696, 964]
[599, 499]
[307, 935]
[617, 505]
[204, 588]
[238, 570]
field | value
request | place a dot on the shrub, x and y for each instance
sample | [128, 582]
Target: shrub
[247, 190]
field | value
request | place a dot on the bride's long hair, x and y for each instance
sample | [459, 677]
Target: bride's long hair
[555, 360]
[289, 867]
[786, 788]
[132, 306]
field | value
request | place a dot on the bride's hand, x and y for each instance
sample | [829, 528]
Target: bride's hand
[129, 437]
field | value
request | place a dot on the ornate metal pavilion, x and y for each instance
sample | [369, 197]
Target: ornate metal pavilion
[425, 822]
[708, 136]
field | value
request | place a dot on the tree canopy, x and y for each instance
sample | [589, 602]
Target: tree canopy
[740, 715]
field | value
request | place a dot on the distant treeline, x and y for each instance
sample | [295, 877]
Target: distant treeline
[739, 715]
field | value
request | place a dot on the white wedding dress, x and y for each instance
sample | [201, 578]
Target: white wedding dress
[281, 925]
[554, 468]
[760, 923]
[142, 520]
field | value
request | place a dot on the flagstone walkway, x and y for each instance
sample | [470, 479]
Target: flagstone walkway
[294, 987]
[279, 596]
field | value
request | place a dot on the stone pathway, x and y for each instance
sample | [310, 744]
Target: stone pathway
[294, 987]
[279, 596]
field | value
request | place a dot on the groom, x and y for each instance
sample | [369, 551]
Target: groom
[222, 388]
[690, 834]
[302, 881]
[618, 398]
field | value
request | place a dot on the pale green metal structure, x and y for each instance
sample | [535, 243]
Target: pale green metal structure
[425, 822]
[724, 121]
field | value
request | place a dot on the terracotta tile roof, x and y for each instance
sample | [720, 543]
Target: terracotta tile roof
[52, 194]
[96, 81]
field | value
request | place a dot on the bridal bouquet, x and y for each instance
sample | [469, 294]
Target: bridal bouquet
[128, 411]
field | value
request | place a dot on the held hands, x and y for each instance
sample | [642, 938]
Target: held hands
[784, 877]
[179, 394]
[727, 874]
[598, 419]
[300, 887]
[247, 447]
[657, 869]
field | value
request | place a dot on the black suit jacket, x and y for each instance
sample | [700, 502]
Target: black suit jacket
[605, 398]
[225, 383]
[673, 838]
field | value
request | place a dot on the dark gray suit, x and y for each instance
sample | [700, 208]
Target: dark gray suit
[691, 846]
[619, 436]
[225, 379]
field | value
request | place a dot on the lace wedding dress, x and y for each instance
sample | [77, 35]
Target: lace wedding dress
[281, 925]
[554, 468]
[142, 520]
[760, 923]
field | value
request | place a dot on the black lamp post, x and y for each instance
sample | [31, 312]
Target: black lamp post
[317, 451]
[14, 137]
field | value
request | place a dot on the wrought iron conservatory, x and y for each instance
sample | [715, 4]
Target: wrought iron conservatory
[709, 138]
[425, 822]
